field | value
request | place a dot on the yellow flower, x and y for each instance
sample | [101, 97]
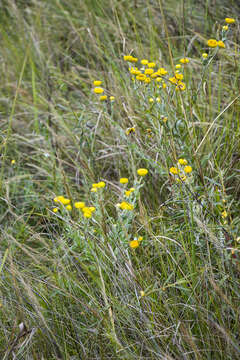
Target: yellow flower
[98, 90]
[55, 210]
[149, 71]
[182, 161]
[230, 20]
[93, 189]
[158, 79]
[188, 169]
[140, 238]
[130, 58]
[123, 180]
[87, 214]
[69, 207]
[128, 192]
[173, 80]
[224, 214]
[164, 119]
[158, 99]
[221, 44]
[151, 65]
[154, 75]
[95, 185]
[97, 82]
[13, 162]
[181, 86]
[162, 71]
[204, 55]
[178, 76]
[92, 208]
[144, 62]
[178, 66]
[148, 80]
[130, 130]
[141, 77]
[65, 201]
[142, 172]
[103, 98]
[126, 206]
[173, 170]
[184, 60]
[134, 244]
[212, 43]
[225, 28]
[164, 85]
[101, 184]
[79, 204]
[112, 98]
[151, 100]
[58, 199]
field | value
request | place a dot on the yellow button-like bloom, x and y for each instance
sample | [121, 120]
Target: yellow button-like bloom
[112, 98]
[98, 90]
[178, 66]
[184, 60]
[130, 130]
[178, 76]
[173, 170]
[103, 98]
[13, 162]
[225, 28]
[229, 20]
[101, 184]
[93, 189]
[58, 199]
[162, 71]
[126, 206]
[224, 214]
[151, 65]
[212, 43]
[141, 77]
[151, 100]
[144, 62]
[142, 172]
[182, 161]
[123, 180]
[130, 58]
[188, 169]
[55, 210]
[221, 44]
[149, 71]
[69, 207]
[134, 244]
[79, 204]
[181, 86]
[204, 55]
[97, 82]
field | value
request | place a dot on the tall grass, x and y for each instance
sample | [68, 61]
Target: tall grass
[72, 287]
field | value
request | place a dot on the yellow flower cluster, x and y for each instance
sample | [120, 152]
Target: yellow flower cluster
[135, 243]
[99, 91]
[86, 210]
[130, 131]
[128, 192]
[181, 170]
[96, 186]
[130, 58]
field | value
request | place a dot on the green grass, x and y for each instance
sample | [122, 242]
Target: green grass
[72, 287]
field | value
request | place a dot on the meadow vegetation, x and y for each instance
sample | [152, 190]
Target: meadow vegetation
[119, 179]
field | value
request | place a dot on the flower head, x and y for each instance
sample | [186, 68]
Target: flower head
[55, 210]
[123, 180]
[97, 82]
[225, 28]
[212, 43]
[69, 207]
[79, 204]
[173, 170]
[144, 61]
[178, 66]
[130, 130]
[151, 64]
[221, 44]
[182, 161]
[149, 71]
[13, 162]
[130, 58]
[142, 172]
[229, 20]
[184, 60]
[112, 98]
[188, 169]
[124, 205]
[134, 244]
[103, 98]
[204, 55]
[98, 90]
